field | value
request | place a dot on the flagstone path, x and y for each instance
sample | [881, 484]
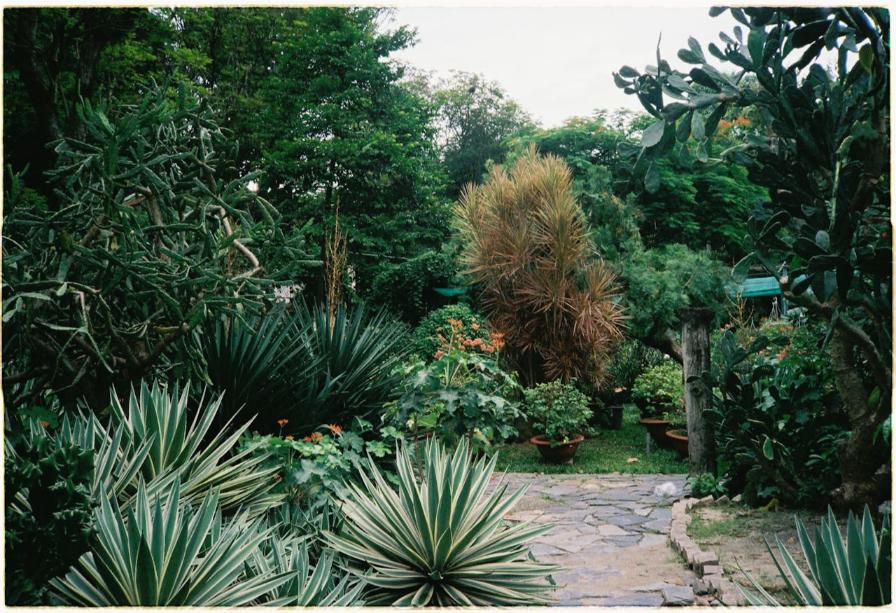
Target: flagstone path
[609, 535]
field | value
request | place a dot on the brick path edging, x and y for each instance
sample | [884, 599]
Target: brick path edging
[704, 563]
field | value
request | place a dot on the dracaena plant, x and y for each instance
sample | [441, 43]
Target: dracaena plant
[854, 572]
[441, 538]
[526, 243]
[166, 552]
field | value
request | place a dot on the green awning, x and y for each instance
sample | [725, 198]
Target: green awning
[450, 291]
[759, 286]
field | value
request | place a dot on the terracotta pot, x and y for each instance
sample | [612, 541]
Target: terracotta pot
[657, 429]
[558, 454]
[679, 441]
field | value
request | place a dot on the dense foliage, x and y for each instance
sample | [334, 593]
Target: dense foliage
[824, 231]
[454, 325]
[659, 389]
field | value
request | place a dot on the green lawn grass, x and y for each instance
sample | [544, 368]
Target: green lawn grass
[606, 452]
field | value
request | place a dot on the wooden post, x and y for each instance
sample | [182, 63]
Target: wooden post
[697, 395]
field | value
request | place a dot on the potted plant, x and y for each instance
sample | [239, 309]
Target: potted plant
[677, 434]
[559, 412]
[656, 391]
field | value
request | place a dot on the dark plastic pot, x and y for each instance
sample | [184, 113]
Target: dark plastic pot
[679, 441]
[559, 454]
[657, 429]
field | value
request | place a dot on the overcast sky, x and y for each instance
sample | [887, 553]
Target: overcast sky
[556, 62]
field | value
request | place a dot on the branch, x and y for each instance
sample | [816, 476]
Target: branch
[239, 246]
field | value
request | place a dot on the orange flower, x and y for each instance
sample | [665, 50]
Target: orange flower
[782, 354]
[334, 428]
[45, 424]
[282, 422]
[315, 436]
[439, 354]
[289, 437]
[455, 323]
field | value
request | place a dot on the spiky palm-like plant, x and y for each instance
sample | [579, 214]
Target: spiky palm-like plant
[526, 243]
[164, 552]
[854, 572]
[440, 539]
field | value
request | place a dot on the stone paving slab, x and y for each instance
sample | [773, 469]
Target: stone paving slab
[609, 535]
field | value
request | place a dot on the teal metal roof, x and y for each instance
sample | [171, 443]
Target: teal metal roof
[450, 291]
[760, 286]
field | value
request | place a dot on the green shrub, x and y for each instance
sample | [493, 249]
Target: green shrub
[49, 512]
[312, 469]
[557, 410]
[659, 389]
[355, 355]
[706, 484]
[438, 324]
[851, 572]
[406, 289]
[440, 538]
[629, 359]
[776, 420]
[459, 395]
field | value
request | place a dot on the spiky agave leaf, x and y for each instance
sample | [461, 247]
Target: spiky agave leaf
[165, 552]
[320, 585]
[851, 573]
[440, 539]
[185, 450]
[356, 353]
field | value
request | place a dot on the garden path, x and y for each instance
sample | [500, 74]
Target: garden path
[609, 535]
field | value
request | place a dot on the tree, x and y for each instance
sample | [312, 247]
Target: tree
[51, 61]
[824, 232]
[475, 120]
[155, 231]
[525, 242]
[339, 127]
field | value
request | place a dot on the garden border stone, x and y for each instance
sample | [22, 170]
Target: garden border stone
[705, 564]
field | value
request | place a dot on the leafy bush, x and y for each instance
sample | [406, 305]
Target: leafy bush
[526, 243]
[706, 484]
[449, 326]
[49, 512]
[166, 553]
[459, 395]
[777, 426]
[311, 470]
[406, 289]
[629, 359]
[855, 572]
[439, 539]
[659, 389]
[557, 410]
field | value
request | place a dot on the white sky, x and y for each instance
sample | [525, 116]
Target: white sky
[556, 62]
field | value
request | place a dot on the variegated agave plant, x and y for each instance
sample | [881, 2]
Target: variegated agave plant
[856, 572]
[164, 552]
[441, 539]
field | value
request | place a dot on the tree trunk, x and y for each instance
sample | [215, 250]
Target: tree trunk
[697, 394]
[861, 456]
